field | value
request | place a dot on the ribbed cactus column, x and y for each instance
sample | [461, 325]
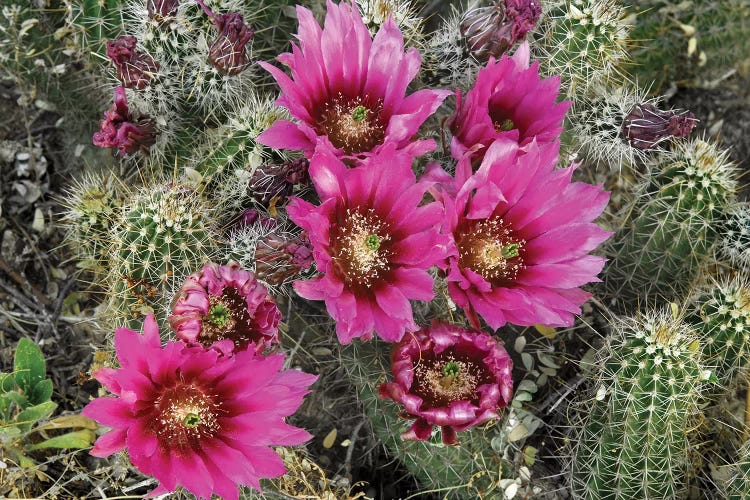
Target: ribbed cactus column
[462, 471]
[630, 438]
[670, 228]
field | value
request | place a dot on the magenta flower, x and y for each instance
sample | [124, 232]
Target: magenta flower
[134, 68]
[120, 130]
[450, 377]
[226, 302]
[191, 417]
[509, 101]
[348, 90]
[160, 10]
[522, 233]
[372, 241]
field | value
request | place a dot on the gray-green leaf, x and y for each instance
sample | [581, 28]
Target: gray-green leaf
[75, 439]
[33, 414]
[28, 366]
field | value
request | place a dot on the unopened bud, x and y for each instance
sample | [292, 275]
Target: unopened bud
[279, 260]
[134, 68]
[278, 181]
[491, 31]
[120, 130]
[646, 126]
[159, 10]
[229, 53]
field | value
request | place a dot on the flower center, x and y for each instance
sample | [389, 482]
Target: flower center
[228, 318]
[184, 415]
[352, 124]
[490, 248]
[505, 125]
[359, 252]
[448, 378]
[219, 315]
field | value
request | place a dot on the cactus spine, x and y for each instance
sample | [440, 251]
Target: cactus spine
[670, 228]
[738, 486]
[735, 240]
[631, 440]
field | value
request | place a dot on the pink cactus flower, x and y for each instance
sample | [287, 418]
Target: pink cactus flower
[347, 90]
[522, 233]
[508, 100]
[194, 418]
[121, 130]
[373, 240]
[447, 376]
[226, 303]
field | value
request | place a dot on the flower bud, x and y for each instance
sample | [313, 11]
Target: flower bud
[646, 126]
[119, 130]
[279, 260]
[274, 181]
[491, 31]
[134, 68]
[228, 53]
[158, 10]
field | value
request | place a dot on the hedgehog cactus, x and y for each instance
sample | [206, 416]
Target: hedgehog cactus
[671, 226]
[735, 238]
[91, 205]
[682, 41]
[722, 315]
[162, 236]
[630, 441]
[738, 486]
[584, 41]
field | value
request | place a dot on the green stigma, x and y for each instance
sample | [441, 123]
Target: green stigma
[218, 315]
[372, 242]
[359, 113]
[191, 420]
[507, 125]
[510, 251]
[451, 369]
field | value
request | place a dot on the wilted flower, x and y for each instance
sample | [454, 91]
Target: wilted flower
[159, 10]
[120, 130]
[372, 241]
[228, 53]
[277, 181]
[194, 418]
[646, 126]
[134, 68]
[490, 31]
[522, 233]
[508, 100]
[226, 302]
[451, 377]
[278, 259]
[348, 90]
[252, 217]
